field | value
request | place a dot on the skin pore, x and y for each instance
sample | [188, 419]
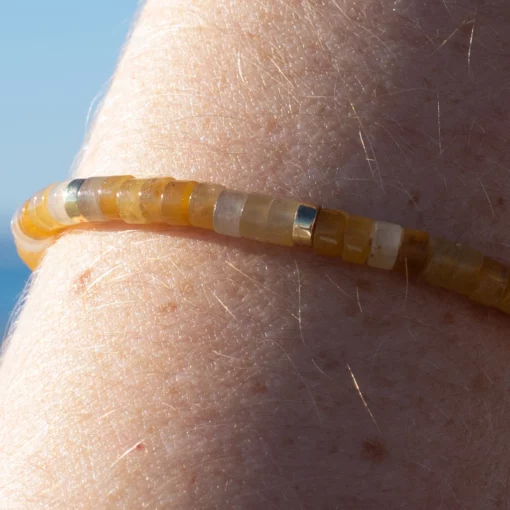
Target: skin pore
[186, 370]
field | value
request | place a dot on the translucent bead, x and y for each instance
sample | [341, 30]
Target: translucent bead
[358, 232]
[128, 201]
[108, 195]
[280, 222]
[385, 245]
[492, 284]
[176, 203]
[268, 219]
[88, 199]
[466, 274]
[201, 205]
[442, 260]
[151, 199]
[228, 211]
[56, 204]
[24, 241]
[254, 218]
[414, 251]
[27, 225]
[328, 238]
[38, 208]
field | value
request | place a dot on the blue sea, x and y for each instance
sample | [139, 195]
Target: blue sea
[13, 276]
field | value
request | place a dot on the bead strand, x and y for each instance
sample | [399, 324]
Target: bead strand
[284, 222]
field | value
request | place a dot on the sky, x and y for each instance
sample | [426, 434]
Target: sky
[56, 58]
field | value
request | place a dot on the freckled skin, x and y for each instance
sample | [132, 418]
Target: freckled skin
[243, 395]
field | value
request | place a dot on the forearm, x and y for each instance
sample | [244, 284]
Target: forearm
[191, 371]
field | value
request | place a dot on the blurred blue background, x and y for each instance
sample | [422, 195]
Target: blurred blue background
[56, 59]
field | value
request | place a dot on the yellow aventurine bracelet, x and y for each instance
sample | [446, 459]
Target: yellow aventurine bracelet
[253, 216]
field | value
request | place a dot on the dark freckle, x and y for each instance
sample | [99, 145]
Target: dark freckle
[260, 388]
[333, 449]
[271, 125]
[448, 318]
[373, 450]
[501, 202]
[480, 382]
[140, 446]
[168, 307]
[81, 283]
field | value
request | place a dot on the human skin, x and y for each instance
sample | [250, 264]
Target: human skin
[186, 370]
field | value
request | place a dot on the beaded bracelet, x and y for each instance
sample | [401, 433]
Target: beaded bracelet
[253, 216]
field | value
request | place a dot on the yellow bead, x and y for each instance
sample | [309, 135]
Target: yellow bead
[357, 235]
[39, 205]
[108, 195]
[175, 203]
[253, 224]
[201, 205]
[128, 201]
[466, 274]
[492, 284]
[280, 222]
[414, 251]
[328, 238]
[30, 226]
[151, 199]
[442, 260]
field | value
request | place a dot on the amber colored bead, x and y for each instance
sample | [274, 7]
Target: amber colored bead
[29, 225]
[39, 205]
[493, 282]
[358, 232]
[128, 201]
[151, 199]
[280, 222]
[201, 204]
[108, 195]
[328, 237]
[442, 260]
[175, 202]
[253, 224]
[413, 252]
[466, 274]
